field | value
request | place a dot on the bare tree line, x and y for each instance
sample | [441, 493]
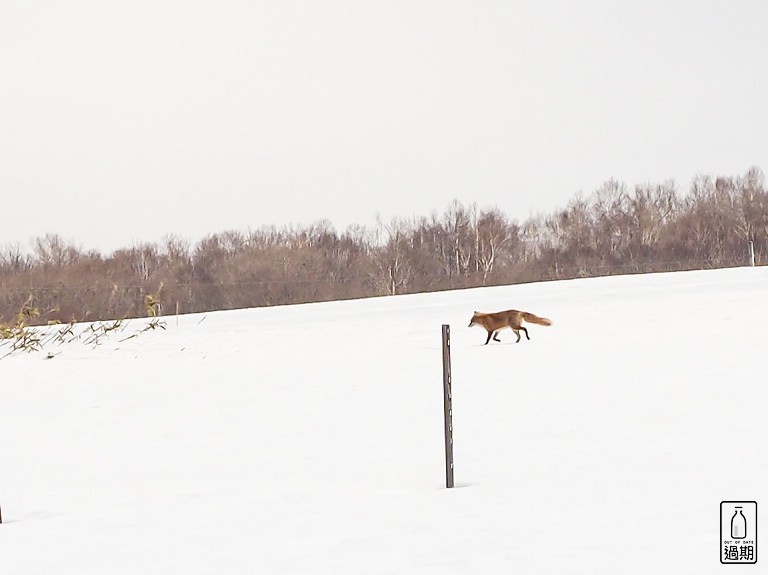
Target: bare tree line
[652, 227]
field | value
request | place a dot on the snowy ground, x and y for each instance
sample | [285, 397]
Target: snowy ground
[309, 439]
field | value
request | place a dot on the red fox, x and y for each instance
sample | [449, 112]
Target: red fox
[493, 322]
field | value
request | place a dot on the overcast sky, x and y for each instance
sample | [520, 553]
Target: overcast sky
[123, 122]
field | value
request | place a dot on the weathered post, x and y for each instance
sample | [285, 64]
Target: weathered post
[447, 405]
[751, 253]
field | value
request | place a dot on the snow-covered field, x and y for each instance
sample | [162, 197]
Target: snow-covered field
[309, 438]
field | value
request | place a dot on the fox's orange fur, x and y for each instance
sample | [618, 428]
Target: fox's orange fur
[512, 318]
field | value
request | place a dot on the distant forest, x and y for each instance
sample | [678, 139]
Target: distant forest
[614, 230]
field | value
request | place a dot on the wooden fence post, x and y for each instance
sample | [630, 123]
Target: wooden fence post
[447, 406]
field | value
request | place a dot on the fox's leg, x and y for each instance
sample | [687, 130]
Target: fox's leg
[490, 333]
[496, 336]
[526, 334]
[517, 333]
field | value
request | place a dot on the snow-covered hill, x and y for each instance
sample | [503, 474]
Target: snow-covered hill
[309, 438]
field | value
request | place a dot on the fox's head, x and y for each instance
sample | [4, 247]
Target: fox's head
[474, 319]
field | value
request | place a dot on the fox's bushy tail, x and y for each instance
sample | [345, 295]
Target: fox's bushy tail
[532, 318]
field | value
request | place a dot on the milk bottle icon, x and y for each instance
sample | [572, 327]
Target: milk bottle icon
[738, 524]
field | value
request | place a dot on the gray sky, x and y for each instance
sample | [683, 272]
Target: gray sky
[123, 122]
